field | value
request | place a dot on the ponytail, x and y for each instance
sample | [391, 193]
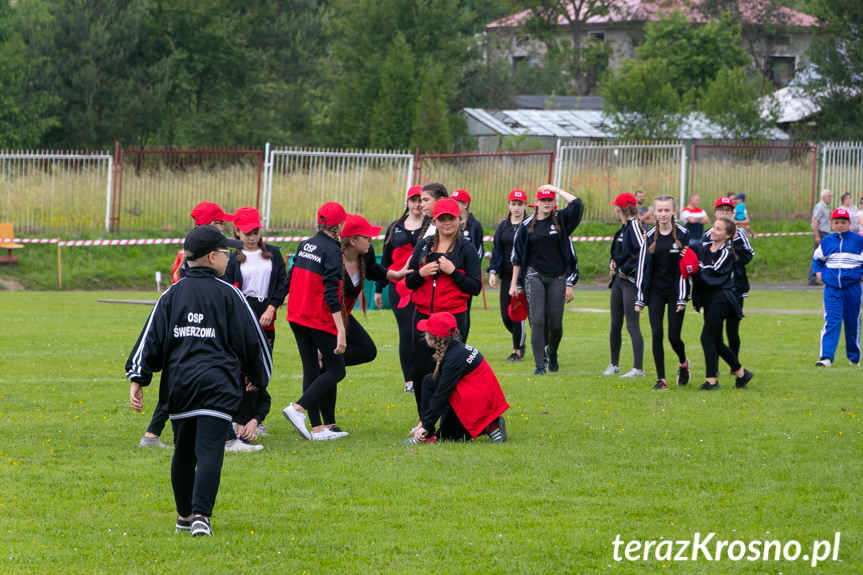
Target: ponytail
[441, 344]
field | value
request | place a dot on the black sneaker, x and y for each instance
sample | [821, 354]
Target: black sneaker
[683, 373]
[183, 525]
[741, 382]
[514, 357]
[539, 371]
[201, 526]
[551, 360]
[707, 386]
[337, 429]
[660, 384]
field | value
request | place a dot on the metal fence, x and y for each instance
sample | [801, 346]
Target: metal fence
[488, 178]
[778, 179]
[44, 192]
[151, 192]
[299, 180]
[842, 169]
[155, 189]
[598, 172]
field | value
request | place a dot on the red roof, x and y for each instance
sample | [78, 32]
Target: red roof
[647, 10]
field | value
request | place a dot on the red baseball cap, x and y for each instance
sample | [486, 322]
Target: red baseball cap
[206, 213]
[446, 206]
[517, 309]
[439, 324]
[461, 196]
[724, 201]
[414, 191]
[517, 196]
[840, 213]
[247, 219]
[545, 195]
[356, 225]
[625, 200]
[331, 214]
[688, 263]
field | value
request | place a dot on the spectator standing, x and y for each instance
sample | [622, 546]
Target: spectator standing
[741, 214]
[860, 217]
[838, 262]
[820, 228]
[847, 202]
[694, 218]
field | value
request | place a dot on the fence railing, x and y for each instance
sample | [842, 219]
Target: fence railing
[488, 178]
[47, 193]
[43, 192]
[299, 180]
[599, 172]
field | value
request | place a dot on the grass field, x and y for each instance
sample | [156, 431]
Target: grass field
[589, 458]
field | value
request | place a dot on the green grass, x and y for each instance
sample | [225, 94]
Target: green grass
[588, 458]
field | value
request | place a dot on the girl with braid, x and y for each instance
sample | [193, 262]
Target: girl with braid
[714, 291]
[462, 393]
[401, 238]
[445, 273]
[359, 263]
[659, 284]
[544, 267]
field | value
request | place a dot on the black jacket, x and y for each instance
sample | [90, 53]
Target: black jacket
[472, 232]
[568, 218]
[201, 335]
[714, 280]
[744, 252]
[625, 247]
[501, 251]
[644, 275]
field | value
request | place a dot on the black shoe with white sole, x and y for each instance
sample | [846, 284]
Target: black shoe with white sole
[201, 526]
[183, 525]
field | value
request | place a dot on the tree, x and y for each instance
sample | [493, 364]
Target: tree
[641, 102]
[577, 57]
[837, 57]
[393, 115]
[24, 117]
[694, 53]
[731, 101]
[431, 128]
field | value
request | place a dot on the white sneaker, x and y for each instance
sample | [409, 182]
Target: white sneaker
[297, 419]
[261, 430]
[823, 362]
[854, 364]
[237, 446]
[152, 442]
[611, 369]
[634, 373]
[326, 434]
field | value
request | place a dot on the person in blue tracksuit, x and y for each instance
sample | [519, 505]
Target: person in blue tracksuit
[838, 262]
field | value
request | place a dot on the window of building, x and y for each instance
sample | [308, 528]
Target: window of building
[781, 69]
[529, 61]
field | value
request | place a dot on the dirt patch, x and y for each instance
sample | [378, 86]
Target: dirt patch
[10, 285]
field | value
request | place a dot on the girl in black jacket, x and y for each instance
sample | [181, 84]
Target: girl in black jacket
[501, 265]
[659, 284]
[625, 248]
[401, 238]
[714, 291]
[258, 271]
[543, 260]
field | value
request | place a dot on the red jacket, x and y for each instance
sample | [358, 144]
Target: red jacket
[444, 292]
[315, 284]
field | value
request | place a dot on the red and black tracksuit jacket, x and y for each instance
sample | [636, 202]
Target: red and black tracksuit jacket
[466, 382]
[315, 283]
[442, 292]
[373, 271]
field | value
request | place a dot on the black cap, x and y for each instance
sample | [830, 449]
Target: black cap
[205, 239]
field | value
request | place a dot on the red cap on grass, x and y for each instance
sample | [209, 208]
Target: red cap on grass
[331, 214]
[439, 324]
[247, 219]
[206, 213]
[356, 225]
[625, 200]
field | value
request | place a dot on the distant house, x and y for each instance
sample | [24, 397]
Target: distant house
[778, 53]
